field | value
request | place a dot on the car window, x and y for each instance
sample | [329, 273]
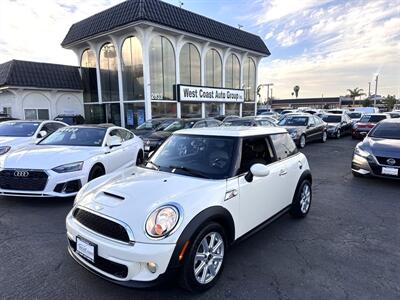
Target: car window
[294, 121]
[317, 121]
[200, 124]
[372, 118]
[255, 150]
[50, 127]
[284, 145]
[311, 121]
[125, 135]
[116, 132]
[212, 123]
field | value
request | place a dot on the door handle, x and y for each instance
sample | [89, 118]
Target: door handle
[282, 173]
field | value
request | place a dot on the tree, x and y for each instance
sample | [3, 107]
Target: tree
[390, 101]
[355, 93]
[366, 103]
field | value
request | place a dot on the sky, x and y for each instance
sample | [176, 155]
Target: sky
[323, 46]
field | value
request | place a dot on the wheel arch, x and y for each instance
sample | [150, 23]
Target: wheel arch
[216, 214]
[99, 164]
[306, 175]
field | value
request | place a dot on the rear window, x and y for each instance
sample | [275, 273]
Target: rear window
[372, 118]
[284, 145]
[355, 115]
[332, 119]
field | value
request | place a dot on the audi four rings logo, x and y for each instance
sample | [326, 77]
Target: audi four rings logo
[21, 173]
[391, 161]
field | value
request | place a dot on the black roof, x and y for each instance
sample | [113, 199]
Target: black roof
[165, 14]
[39, 75]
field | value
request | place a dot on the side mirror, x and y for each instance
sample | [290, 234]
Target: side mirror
[42, 134]
[114, 141]
[257, 170]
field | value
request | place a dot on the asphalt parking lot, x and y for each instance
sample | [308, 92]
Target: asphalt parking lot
[348, 246]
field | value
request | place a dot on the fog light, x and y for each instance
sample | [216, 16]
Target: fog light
[152, 266]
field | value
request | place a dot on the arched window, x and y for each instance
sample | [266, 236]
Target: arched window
[213, 69]
[109, 73]
[232, 72]
[132, 69]
[89, 76]
[189, 65]
[249, 79]
[162, 69]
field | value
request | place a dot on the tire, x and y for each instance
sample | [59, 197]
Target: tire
[192, 262]
[338, 134]
[139, 158]
[96, 172]
[324, 137]
[301, 202]
[302, 141]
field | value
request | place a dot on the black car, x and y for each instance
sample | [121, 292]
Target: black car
[224, 118]
[155, 140]
[304, 128]
[70, 119]
[250, 121]
[150, 126]
[379, 153]
[338, 125]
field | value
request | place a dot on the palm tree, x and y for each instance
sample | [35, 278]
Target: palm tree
[355, 93]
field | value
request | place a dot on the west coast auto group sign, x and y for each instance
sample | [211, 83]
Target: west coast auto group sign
[191, 93]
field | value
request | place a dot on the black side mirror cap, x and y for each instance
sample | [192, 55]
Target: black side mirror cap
[249, 176]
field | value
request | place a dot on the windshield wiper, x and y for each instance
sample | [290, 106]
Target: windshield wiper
[189, 171]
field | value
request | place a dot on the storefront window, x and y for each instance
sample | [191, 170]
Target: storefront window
[213, 109]
[249, 79]
[232, 72]
[189, 65]
[109, 73]
[134, 114]
[232, 109]
[95, 113]
[132, 69]
[89, 76]
[191, 110]
[213, 69]
[36, 114]
[162, 69]
[113, 113]
[248, 109]
[163, 109]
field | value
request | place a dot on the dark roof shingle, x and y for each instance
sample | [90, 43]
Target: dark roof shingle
[165, 14]
[39, 75]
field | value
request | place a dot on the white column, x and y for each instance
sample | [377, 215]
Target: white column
[203, 54]
[242, 59]
[178, 46]
[257, 63]
[118, 46]
[96, 49]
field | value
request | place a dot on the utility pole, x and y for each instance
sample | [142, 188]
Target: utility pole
[369, 89]
[267, 85]
[376, 89]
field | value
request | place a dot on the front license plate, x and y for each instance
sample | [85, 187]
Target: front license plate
[146, 148]
[390, 171]
[85, 248]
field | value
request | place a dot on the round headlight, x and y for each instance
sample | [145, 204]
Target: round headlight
[162, 221]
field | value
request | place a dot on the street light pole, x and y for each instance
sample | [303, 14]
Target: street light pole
[376, 89]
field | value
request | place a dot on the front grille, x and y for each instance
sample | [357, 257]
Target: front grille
[383, 161]
[108, 266]
[23, 180]
[101, 225]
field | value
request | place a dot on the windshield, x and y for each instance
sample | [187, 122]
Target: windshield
[238, 122]
[372, 118]
[70, 136]
[386, 131]
[198, 156]
[293, 121]
[332, 119]
[154, 125]
[18, 129]
[354, 115]
[177, 125]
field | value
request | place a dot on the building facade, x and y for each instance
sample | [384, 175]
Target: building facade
[39, 91]
[138, 59]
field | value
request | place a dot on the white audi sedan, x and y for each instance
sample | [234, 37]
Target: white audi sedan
[60, 164]
[17, 134]
[200, 192]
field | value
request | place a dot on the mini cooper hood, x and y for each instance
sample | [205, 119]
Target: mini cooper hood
[131, 195]
[14, 141]
[382, 147]
[45, 157]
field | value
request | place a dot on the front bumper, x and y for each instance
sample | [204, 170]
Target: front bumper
[332, 132]
[134, 257]
[52, 189]
[360, 134]
[369, 167]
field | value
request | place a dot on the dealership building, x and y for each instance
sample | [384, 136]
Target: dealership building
[146, 59]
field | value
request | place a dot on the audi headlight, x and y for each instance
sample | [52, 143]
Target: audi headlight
[162, 221]
[77, 166]
[4, 149]
[361, 152]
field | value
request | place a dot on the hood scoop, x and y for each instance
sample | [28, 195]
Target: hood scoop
[114, 195]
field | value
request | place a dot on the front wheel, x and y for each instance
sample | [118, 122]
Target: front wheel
[96, 172]
[204, 262]
[324, 137]
[302, 141]
[338, 134]
[302, 200]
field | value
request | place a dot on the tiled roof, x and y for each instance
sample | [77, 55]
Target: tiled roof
[165, 14]
[39, 75]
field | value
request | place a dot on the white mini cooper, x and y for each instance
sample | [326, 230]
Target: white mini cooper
[178, 214]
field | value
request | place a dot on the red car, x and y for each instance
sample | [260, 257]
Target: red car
[366, 123]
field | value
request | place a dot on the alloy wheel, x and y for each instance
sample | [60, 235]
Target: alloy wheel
[302, 141]
[209, 257]
[305, 198]
[324, 137]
